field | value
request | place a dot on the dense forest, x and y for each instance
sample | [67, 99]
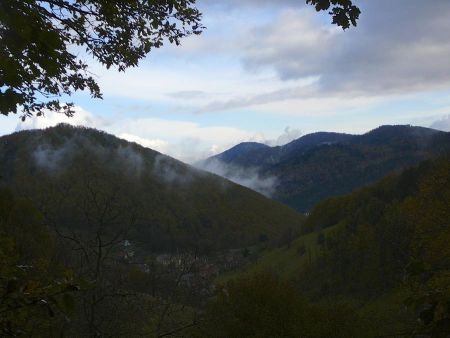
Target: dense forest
[82, 179]
[328, 235]
[97, 229]
[380, 252]
[101, 237]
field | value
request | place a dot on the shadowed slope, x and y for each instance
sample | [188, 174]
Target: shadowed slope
[83, 178]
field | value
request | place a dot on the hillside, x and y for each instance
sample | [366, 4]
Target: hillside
[381, 247]
[86, 179]
[322, 165]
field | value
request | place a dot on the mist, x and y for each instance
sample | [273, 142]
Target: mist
[247, 177]
[54, 158]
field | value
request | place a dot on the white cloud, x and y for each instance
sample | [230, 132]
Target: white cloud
[51, 119]
[398, 47]
[442, 124]
[184, 140]
[287, 60]
[289, 134]
[155, 144]
[247, 177]
[188, 141]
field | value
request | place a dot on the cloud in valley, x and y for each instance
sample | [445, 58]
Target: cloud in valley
[247, 177]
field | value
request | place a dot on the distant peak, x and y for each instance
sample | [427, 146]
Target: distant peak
[250, 145]
[318, 138]
[397, 127]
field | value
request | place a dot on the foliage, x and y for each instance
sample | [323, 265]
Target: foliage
[35, 298]
[428, 272]
[343, 12]
[264, 306]
[376, 227]
[77, 284]
[41, 41]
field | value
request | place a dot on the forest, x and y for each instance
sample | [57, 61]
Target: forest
[367, 264]
[175, 208]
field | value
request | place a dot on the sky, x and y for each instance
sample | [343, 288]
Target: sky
[273, 70]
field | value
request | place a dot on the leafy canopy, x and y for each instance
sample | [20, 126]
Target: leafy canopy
[39, 39]
[343, 12]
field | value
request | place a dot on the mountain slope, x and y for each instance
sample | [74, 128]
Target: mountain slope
[322, 165]
[82, 178]
[383, 247]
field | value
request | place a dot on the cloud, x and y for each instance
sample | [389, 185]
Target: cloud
[155, 144]
[269, 53]
[442, 124]
[250, 177]
[303, 100]
[398, 47]
[247, 177]
[51, 119]
[171, 172]
[55, 158]
[289, 134]
[50, 158]
[281, 60]
[278, 95]
[184, 140]
[187, 94]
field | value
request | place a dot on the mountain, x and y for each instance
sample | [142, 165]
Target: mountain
[321, 165]
[253, 154]
[83, 179]
[238, 154]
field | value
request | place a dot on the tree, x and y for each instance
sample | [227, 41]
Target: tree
[41, 40]
[427, 274]
[343, 12]
[262, 305]
[36, 295]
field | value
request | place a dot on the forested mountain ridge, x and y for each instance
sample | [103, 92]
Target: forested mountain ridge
[321, 165]
[83, 178]
[253, 154]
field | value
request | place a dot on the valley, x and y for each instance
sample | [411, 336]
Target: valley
[224, 169]
[130, 228]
